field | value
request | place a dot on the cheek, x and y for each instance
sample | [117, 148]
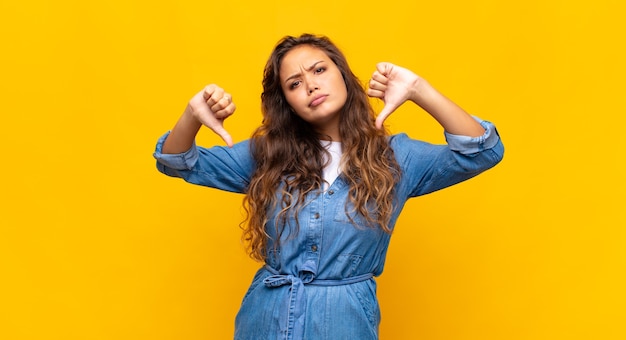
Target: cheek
[340, 83]
[344, 89]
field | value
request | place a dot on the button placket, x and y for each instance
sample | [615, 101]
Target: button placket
[315, 228]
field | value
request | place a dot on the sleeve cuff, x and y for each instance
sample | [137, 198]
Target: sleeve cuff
[470, 145]
[178, 161]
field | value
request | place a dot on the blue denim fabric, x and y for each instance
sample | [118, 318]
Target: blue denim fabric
[318, 282]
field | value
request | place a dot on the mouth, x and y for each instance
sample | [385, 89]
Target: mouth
[317, 100]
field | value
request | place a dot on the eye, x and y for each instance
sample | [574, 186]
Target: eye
[320, 70]
[294, 84]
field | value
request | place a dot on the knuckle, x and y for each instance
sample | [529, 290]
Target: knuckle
[209, 89]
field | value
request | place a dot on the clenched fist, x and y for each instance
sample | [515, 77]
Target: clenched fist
[211, 107]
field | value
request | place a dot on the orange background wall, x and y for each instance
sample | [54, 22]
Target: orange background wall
[95, 244]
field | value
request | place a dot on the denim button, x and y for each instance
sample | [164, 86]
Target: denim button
[316, 216]
[314, 248]
[330, 192]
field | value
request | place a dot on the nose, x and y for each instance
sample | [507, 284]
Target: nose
[312, 86]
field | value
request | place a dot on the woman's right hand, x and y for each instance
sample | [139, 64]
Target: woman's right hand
[211, 107]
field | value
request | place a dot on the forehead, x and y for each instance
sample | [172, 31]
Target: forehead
[301, 57]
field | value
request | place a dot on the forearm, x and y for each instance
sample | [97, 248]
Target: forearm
[451, 116]
[183, 134]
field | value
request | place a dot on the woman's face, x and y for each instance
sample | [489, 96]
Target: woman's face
[314, 87]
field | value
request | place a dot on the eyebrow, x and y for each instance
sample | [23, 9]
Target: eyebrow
[307, 69]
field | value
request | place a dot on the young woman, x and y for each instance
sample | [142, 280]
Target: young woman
[324, 183]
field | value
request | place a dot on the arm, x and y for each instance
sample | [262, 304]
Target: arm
[220, 167]
[226, 168]
[209, 107]
[473, 145]
[427, 167]
[395, 85]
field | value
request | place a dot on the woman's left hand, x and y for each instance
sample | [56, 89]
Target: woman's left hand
[394, 85]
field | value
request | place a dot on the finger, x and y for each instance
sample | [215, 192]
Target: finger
[380, 78]
[208, 91]
[220, 131]
[380, 120]
[225, 112]
[382, 116]
[222, 103]
[217, 94]
[385, 68]
[377, 85]
[376, 93]
[217, 126]
[208, 119]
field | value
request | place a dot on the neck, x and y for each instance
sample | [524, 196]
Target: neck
[329, 132]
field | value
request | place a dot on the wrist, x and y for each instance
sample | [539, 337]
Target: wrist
[190, 120]
[421, 91]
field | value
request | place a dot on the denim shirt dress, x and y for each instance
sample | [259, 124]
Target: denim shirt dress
[318, 283]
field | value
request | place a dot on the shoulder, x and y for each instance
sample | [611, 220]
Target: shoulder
[398, 138]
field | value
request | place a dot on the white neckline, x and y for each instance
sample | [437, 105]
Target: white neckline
[331, 170]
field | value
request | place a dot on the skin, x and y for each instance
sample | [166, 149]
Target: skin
[209, 107]
[393, 84]
[314, 88]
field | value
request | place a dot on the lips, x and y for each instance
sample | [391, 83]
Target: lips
[319, 99]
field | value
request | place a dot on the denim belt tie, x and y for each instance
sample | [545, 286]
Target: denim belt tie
[292, 324]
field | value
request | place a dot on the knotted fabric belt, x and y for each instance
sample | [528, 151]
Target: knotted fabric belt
[292, 323]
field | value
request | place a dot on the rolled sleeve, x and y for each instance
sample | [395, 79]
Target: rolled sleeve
[469, 145]
[178, 161]
[427, 167]
[219, 167]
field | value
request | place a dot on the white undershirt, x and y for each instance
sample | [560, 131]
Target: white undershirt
[331, 171]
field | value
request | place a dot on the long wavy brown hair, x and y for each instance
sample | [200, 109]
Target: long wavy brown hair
[290, 158]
